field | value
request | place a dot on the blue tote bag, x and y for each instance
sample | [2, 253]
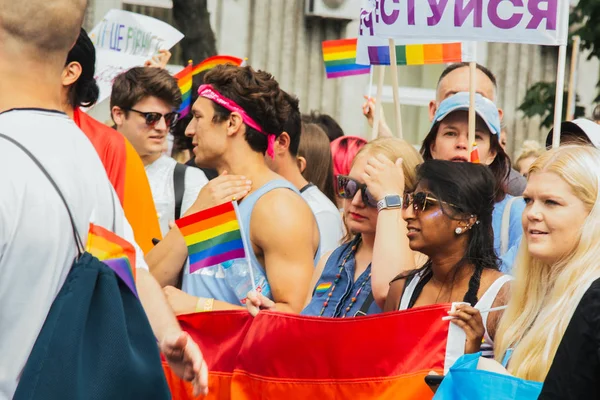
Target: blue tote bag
[465, 382]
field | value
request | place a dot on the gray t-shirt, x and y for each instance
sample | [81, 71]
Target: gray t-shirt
[516, 183]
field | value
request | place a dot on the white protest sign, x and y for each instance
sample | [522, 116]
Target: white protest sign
[124, 40]
[542, 22]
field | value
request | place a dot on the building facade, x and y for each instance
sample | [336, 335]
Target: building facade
[277, 36]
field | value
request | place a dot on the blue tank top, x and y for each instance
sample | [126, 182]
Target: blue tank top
[345, 289]
[230, 281]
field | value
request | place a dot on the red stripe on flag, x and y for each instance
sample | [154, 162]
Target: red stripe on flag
[205, 214]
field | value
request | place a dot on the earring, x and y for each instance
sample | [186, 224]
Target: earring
[458, 230]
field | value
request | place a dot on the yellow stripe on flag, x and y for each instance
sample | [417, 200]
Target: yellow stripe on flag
[186, 87]
[100, 247]
[414, 54]
[212, 232]
[339, 56]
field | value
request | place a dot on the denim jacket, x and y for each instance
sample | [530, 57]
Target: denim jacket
[345, 289]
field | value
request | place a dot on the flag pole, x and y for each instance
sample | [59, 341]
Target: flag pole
[572, 79]
[472, 89]
[370, 88]
[394, 68]
[560, 84]
[378, 105]
[246, 245]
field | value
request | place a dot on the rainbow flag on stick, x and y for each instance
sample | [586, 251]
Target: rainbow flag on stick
[115, 252]
[340, 59]
[475, 154]
[422, 54]
[184, 81]
[212, 62]
[213, 236]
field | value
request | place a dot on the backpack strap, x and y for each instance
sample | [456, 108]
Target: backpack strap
[505, 228]
[78, 242]
[179, 187]
[366, 305]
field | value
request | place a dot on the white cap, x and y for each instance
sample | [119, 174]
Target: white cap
[581, 126]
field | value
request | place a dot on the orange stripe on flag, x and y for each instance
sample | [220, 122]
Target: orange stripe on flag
[208, 223]
[452, 52]
[433, 53]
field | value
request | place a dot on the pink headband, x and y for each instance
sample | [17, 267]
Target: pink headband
[208, 92]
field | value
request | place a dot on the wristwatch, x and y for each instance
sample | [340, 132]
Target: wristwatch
[389, 201]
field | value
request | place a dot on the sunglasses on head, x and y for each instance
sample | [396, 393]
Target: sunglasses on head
[347, 188]
[152, 118]
[421, 201]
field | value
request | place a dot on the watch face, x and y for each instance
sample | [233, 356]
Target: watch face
[393, 201]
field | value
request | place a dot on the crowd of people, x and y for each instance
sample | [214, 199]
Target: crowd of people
[336, 226]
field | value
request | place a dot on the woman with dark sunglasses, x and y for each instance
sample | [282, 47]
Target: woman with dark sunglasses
[449, 219]
[344, 284]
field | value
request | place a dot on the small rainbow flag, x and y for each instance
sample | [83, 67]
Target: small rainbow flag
[421, 54]
[475, 154]
[212, 62]
[213, 236]
[184, 81]
[115, 252]
[340, 59]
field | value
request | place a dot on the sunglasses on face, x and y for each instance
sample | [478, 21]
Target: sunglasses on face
[347, 188]
[152, 118]
[421, 201]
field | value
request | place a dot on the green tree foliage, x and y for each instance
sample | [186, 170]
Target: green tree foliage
[539, 99]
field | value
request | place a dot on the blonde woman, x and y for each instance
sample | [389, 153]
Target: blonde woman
[529, 152]
[344, 284]
[556, 294]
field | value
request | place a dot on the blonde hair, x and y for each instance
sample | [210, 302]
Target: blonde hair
[530, 148]
[544, 297]
[394, 149]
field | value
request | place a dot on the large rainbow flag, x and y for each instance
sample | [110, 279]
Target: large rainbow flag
[113, 251]
[340, 59]
[213, 61]
[184, 81]
[213, 236]
[279, 356]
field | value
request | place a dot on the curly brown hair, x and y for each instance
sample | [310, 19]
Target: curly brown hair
[258, 93]
[134, 85]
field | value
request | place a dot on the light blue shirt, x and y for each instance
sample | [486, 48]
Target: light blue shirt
[515, 231]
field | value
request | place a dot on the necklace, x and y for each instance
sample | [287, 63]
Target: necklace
[338, 276]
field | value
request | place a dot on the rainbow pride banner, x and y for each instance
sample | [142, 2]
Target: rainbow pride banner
[420, 54]
[374, 50]
[279, 356]
[115, 252]
[340, 59]
[213, 236]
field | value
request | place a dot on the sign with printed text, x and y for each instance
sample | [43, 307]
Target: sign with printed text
[124, 40]
[542, 22]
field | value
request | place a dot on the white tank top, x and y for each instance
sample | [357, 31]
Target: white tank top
[484, 303]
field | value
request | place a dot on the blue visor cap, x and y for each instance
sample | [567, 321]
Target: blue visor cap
[485, 109]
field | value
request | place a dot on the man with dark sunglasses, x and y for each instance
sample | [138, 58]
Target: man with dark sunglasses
[143, 104]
